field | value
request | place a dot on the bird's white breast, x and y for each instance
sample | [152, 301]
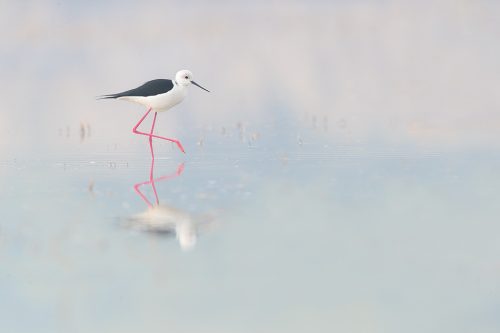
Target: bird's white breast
[160, 102]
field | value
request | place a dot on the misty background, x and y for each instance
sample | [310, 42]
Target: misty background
[346, 159]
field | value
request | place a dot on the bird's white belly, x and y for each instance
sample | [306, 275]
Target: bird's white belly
[160, 102]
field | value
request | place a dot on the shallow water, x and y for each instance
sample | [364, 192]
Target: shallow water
[357, 237]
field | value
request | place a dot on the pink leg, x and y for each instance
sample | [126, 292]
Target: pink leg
[155, 136]
[136, 187]
[152, 159]
[151, 139]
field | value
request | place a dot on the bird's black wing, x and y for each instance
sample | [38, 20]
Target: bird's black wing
[150, 88]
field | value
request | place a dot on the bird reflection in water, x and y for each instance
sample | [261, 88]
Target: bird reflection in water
[163, 219]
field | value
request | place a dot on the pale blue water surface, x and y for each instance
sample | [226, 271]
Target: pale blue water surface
[342, 175]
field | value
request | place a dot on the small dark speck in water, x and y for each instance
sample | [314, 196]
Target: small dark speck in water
[91, 187]
[82, 132]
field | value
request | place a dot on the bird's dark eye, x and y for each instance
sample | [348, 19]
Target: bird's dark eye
[186, 77]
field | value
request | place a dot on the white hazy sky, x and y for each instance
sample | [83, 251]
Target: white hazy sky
[422, 72]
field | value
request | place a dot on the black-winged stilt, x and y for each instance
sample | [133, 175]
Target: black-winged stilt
[158, 95]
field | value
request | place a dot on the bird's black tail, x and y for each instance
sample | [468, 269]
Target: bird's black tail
[108, 96]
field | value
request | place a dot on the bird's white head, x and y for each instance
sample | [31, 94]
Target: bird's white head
[185, 78]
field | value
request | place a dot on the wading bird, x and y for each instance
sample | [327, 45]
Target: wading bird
[158, 95]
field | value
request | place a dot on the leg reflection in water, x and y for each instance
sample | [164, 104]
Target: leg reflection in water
[153, 180]
[163, 219]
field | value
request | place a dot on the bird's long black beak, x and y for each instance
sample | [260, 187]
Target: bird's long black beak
[196, 84]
